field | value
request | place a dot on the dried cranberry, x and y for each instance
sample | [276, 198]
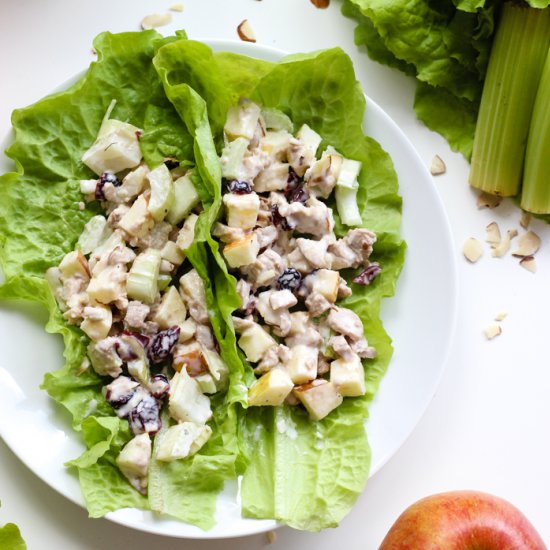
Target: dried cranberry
[279, 220]
[139, 133]
[290, 279]
[159, 385]
[240, 187]
[120, 399]
[125, 352]
[171, 163]
[162, 344]
[368, 275]
[106, 177]
[145, 418]
[295, 190]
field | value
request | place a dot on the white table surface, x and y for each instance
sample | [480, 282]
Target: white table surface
[486, 428]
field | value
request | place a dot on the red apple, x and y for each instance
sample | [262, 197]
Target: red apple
[462, 520]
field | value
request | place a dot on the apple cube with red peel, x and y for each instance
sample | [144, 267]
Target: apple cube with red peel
[318, 397]
[270, 389]
[462, 520]
[348, 376]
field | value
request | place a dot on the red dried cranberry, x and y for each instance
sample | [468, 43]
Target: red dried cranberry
[279, 220]
[145, 418]
[290, 279]
[240, 187]
[295, 190]
[120, 399]
[162, 344]
[368, 275]
[106, 177]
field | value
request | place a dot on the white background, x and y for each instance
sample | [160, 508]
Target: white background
[487, 427]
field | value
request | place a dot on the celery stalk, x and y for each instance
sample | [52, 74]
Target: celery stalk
[142, 282]
[535, 194]
[515, 65]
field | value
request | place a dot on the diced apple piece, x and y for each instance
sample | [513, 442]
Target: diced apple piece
[232, 158]
[74, 263]
[108, 285]
[137, 222]
[242, 120]
[187, 330]
[106, 247]
[117, 149]
[241, 210]
[243, 252]
[206, 383]
[172, 253]
[273, 178]
[309, 137]
[98, 327]
[326, 283]
[194, 295]
[318, 397]
[138, 369]
[270, 389]
[162, 192]
[255, 341]
[135, 457]
[186, 402]
[185, 199]
[349, 172]
[88, 187]
[348, 376]
[190, 357]
[302, 364]
[186, 235]
[182, 440]
[217, 367]
[324, 173]
[172, 310]
[133, 183]
[275, 144]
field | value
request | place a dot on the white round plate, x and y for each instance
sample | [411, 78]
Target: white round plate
[420, 320]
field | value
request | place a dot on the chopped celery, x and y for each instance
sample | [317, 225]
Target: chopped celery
[348, 174]
[95, 232]
[232, 158]
[162, 192]
[142, 283]
[346, 203]
[276, 120]
[535, 195]
[185, 199]
[515, 65]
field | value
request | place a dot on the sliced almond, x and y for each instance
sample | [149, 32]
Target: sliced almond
[321, 4]
[492, 330]
[438, 166]
[501, 315]
[529, 263]
[472, 250]
[528, 244]
[155, 20]
[176, 7]
[271, 537]
[525, 219]
[493, 234]
[245, 32]
[504, 245]
[486, 200]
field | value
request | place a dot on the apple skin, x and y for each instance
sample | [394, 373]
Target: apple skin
[462, 520]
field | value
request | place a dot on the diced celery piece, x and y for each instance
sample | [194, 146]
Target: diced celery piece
[232, 158]
[162, 192]
[142, 283]
[346, 203]
[242, 120]
[164, 280]
[95, 232]
[349, 172]
[276, 120]
[185, 199]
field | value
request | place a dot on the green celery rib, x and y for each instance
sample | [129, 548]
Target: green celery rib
[535, 194]
[515, 65]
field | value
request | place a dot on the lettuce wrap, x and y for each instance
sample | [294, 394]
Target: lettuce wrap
[178, 91]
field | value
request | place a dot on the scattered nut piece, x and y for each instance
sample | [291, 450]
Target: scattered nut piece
[493, 234]
[271, 537]
[529, 263]
[321, 4]
[501, 315]
[486, 200]
[504, 245]
[176, 7]
[492, 330]
[155, 20]
[245, 32]
[528, 244]
[525, 219]
[472, 250]
[438, 166]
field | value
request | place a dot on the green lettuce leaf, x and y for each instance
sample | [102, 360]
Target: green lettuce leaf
[10, 538]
